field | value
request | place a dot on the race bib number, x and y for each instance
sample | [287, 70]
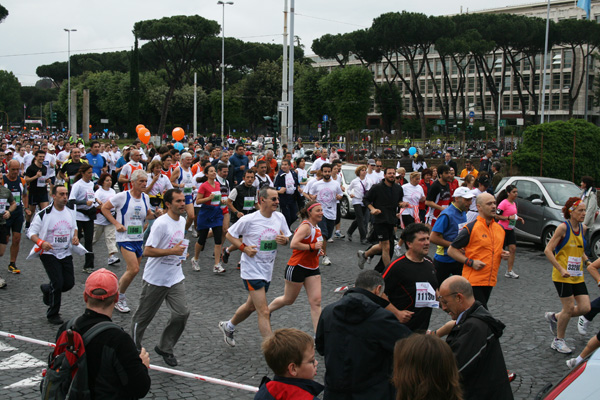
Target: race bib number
[134, 230]
[90, 196]
[216, 201]
[574, 266]
[268, 245]
[187, 190]
[41, 182]
[512, 222]
[3, 206]
[17, 197]
[425, 297]
[248, 203]
[95, 177]
[61, 239]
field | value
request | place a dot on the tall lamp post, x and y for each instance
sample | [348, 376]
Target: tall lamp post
[223, 3]
[69, 77]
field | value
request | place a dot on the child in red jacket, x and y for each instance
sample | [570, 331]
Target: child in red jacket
[290, 353]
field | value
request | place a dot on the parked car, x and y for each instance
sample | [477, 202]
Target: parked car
[594, 238]
[539, 203]
[580, 383]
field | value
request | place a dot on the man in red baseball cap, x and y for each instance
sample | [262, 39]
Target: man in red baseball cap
[111, 347]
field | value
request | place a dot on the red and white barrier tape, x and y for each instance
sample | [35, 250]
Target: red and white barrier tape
[171, 371]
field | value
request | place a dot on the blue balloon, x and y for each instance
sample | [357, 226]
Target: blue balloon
[178, 146]
[106, 130]
[412, 151]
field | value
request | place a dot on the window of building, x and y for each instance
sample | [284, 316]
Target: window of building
[567, 59]
[471, 82]
[454, 83]
[556, 101]
[507, 81]
[566, 80]
[565, 101]
[430, 104]
[438, 67]
[506, 102]
[488, 102]
[590, 103]
[556, 81]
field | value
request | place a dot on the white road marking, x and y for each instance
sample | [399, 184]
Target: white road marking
[34, 380]
[21, 360]
[5, 347]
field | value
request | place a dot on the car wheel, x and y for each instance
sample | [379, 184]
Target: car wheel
[547, 235]
[595, 247]
[344, 208]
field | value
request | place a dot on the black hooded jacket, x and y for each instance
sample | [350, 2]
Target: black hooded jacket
[357, 335]
[475, 342]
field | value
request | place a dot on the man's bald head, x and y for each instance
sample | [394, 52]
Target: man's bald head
[457, 284]
[483, 198]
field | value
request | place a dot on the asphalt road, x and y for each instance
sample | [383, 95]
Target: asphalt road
[520, 304]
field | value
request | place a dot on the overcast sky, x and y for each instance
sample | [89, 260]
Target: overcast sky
[33, 34]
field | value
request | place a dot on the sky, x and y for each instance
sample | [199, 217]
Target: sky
[33, 33]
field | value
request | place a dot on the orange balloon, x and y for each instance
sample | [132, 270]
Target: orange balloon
[178, 134]
[137, 128]
[144, 135]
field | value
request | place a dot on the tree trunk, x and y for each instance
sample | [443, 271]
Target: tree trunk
[165, 109]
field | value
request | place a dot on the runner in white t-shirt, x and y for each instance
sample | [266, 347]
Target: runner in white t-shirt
[133, 209]
[166, 248]
[54, 231]
[262, 232]
[327, 192]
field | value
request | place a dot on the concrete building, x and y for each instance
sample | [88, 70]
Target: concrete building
[477, 96]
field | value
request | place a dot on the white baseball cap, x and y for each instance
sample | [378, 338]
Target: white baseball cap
[463, 192]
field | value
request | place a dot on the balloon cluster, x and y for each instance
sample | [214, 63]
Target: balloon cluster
[144, 135]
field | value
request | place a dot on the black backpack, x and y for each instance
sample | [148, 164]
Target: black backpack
[67, 374]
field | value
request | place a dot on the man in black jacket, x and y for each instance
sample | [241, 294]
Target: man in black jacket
[383, 200]
[475, 342]
[450, 162]
[286, 184]
[356, 335]
[116, 370]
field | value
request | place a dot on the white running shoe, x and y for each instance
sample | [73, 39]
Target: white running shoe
[326, 260]
[561, 346]
[195, 233]
[511, 274]
[113, 260]
[572, 363]
[218, 269]
[227, 334]
[551, 318]
[121, 305]
[330, 240]
[361, 259]
[582, 325]
[195, 264]
[2, 283]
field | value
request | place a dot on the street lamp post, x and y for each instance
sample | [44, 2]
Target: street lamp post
[223, 3]
[69, 77]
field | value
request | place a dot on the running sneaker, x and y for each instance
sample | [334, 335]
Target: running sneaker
[326, 260]
[551, 318]
[330, 240]
[45, 294]
[361, 259]
[2, 283]
[88, 270]
[12, 267]
[195, 233]
[195, 264]
[225, 255]
[121, 305]
[397, 251]
[218, 269]
[349, 236]
[560, 346]
[339, 235]
[582, 325]
[227, 334]
[511, 274]
[572, 362]
[113, 260]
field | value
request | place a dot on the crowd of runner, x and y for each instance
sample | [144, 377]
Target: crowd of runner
[150, 202]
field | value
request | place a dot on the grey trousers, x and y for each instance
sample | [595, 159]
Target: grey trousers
[151, 299]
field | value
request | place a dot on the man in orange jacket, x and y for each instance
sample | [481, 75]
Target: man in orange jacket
[483, 242]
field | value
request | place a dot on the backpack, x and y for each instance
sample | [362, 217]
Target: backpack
[67, 373]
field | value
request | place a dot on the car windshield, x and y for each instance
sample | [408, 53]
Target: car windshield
[561, 191]
[349, 175]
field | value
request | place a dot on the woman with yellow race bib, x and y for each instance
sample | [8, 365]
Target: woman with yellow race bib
[566, 253]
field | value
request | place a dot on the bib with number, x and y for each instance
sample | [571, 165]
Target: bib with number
[17, 197]
[216, 201]
[425, 296]
[512, 222]
[574, 266]
[248, 203]
[41, 182]
[3, 206]
[135, 224]
[268, 245]
[61, 238]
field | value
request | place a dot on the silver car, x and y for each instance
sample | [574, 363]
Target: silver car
[539, 203]
[580, 383]
[346, 209]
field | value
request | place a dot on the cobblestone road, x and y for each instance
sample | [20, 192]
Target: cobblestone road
[520, 304]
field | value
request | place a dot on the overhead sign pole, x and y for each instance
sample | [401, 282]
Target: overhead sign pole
[290, 132]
